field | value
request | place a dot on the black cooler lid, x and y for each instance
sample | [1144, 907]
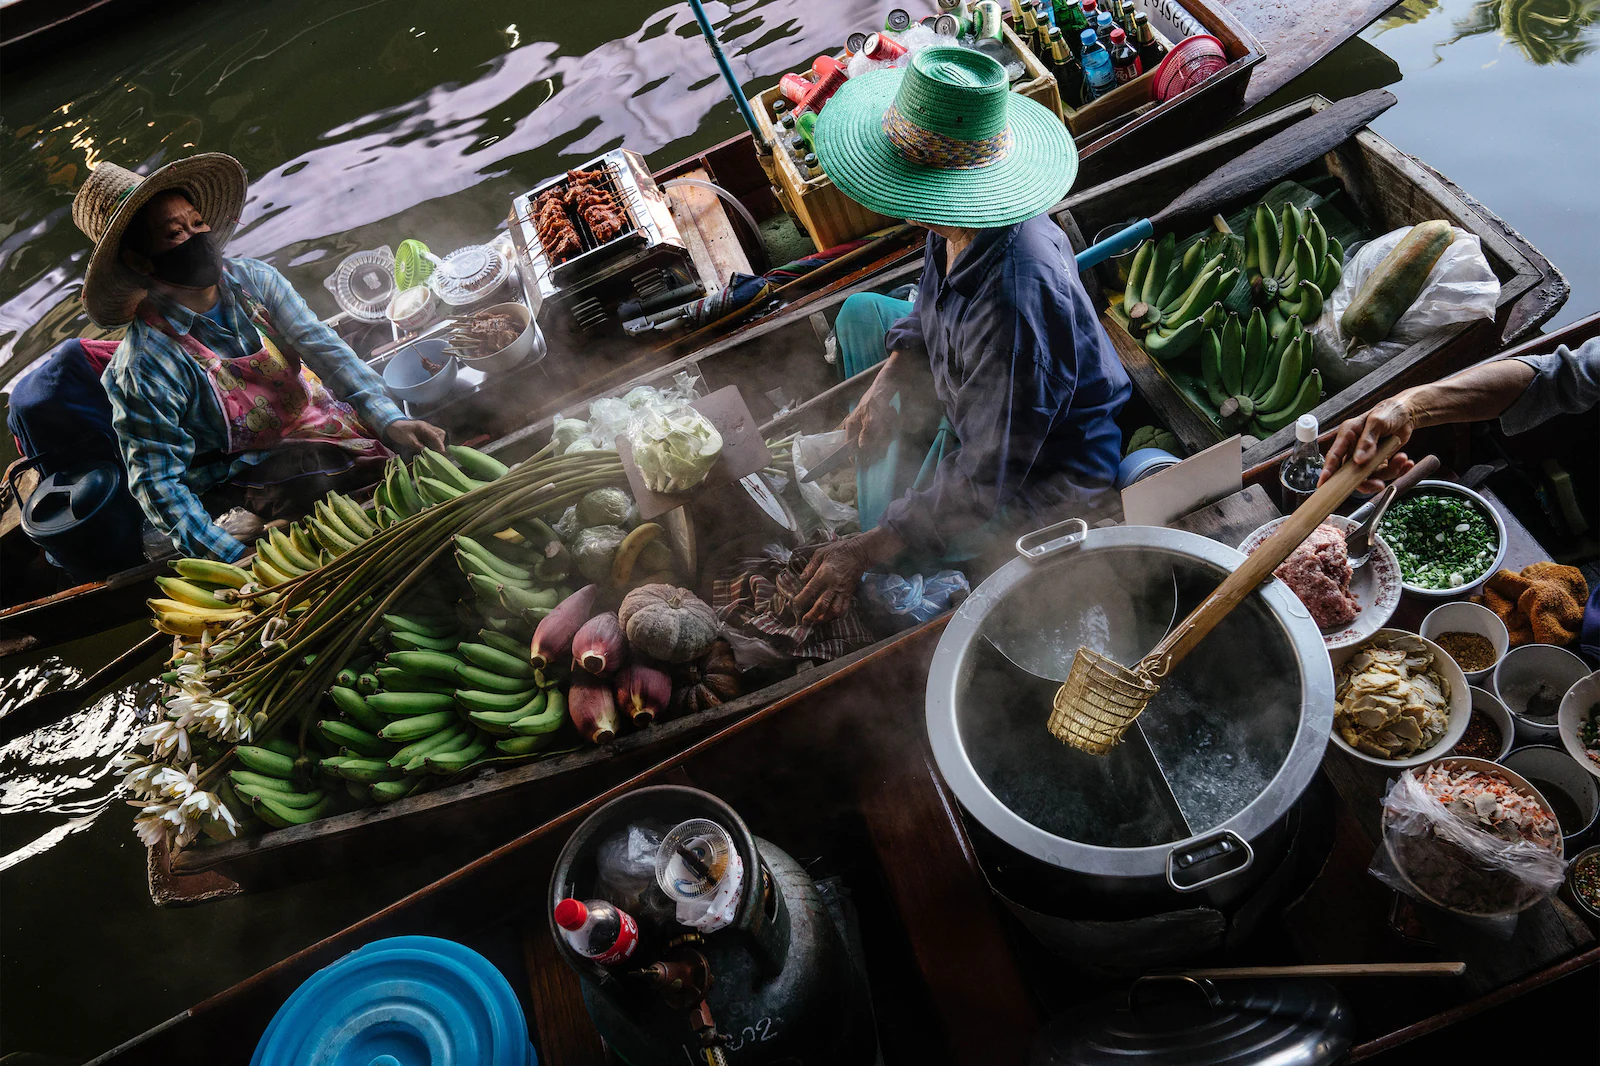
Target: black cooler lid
[67, 498]
[1182, 1021]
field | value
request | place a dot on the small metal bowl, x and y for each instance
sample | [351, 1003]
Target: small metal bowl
[1589, 911]
[1526, 670]
[408, 380]
[1450, 488]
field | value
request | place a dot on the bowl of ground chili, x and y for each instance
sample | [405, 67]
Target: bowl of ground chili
[1471, 634]
[1490, 728]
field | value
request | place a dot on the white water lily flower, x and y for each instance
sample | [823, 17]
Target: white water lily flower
[139, 772]
[168, 741]
[159, 822]
[206, 809]
[220, 720]
[173, 784]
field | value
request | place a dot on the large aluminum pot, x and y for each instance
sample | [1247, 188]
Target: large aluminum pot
[1192, 809]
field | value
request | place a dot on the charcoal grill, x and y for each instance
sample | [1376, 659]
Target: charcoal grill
[648, 255]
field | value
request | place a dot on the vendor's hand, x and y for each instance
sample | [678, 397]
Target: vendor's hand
[870, 426]
[833, 575]
[243, 526]
[411, 435]
[1357, 441]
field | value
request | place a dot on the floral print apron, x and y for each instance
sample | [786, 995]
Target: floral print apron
[270, 400]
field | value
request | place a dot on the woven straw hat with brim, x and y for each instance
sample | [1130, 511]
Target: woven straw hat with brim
[107, 202]
[945, 141]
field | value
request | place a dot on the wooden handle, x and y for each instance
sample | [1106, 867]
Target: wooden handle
[1426, 467]
[1264, 560]
[1336, 969]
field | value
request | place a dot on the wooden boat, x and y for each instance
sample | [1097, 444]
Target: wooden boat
[497, 799]
[953, 977]
[1267, 46]
[31, 29]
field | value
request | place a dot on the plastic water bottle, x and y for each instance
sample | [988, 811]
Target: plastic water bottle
[1303, 466]
[1098, 77]
[597, 930]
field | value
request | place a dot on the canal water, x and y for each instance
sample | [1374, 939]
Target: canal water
[362, 122]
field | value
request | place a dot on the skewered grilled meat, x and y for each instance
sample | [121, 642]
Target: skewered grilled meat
[595, 204]
[554, 229]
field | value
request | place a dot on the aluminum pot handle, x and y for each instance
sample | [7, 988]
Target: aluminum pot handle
[1220, 843]
[1205, 988]
[1043, 543]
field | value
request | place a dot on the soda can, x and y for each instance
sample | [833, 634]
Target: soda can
[947, 26]
[794, 87]
[855, 42]
[952, 6]
[899, 20]
[987, 21]
[882, 47]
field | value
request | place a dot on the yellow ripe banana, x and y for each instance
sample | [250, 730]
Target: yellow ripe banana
[329, 538]
[330, 519]
[266, 549]
[213, 571]
[182, 591]
[627, 556]
[178, 607]
[304, 543]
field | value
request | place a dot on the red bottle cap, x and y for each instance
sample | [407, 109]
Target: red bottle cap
[1118, 36]
[571, 914]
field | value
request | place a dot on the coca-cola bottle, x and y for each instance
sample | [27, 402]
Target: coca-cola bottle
[597, 930]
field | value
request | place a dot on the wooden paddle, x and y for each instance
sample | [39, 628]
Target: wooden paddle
[1260, 167]
[53, 706]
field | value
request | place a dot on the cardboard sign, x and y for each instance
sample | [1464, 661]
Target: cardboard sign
[1174, 492]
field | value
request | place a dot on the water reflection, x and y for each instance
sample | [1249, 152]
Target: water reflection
[361, 123]
[1544, 31]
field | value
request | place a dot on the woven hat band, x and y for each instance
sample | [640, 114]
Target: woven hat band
[924, 147]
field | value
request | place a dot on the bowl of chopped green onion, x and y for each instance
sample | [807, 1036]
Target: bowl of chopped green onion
[1446, 538]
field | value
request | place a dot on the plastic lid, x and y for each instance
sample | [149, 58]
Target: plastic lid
[1088, 37]
[1191, 61]
[571, 914]
[66, 499]
[468, 274]
[1105, 18]
[1305, 428]
[363, 282]
[1117, 36]
[406, 1001]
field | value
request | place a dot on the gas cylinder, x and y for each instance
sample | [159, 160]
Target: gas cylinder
[774, 986]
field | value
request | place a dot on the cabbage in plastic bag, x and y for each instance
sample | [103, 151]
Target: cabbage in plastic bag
[674, 449]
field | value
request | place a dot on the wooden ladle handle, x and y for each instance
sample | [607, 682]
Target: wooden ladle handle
[1260, 564]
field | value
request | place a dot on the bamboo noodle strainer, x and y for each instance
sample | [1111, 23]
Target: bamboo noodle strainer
[1101, 698]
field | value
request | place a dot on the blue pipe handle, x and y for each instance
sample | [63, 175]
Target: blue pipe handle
[1116, 244]
[739, 100]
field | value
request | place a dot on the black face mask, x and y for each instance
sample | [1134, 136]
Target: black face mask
[194, 264]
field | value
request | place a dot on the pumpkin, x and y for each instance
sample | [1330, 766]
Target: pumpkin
[668, 623]
[706, 682]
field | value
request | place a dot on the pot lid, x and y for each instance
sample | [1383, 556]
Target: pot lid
[1226, 747]
[363, 282]
[67, 498]
[1184, 1021]
[405, 1001]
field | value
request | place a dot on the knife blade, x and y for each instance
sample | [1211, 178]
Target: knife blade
[770, 505]
[830, 464]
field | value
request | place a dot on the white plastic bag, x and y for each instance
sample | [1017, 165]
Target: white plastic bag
[1461, 287]
[808, 452]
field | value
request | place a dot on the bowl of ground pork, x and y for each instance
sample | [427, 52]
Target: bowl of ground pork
[1348, 605]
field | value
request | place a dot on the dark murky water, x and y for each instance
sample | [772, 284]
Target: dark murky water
[362, 122]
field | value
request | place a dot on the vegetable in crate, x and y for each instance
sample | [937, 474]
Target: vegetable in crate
[1293, 264]
[1168, 304]
[1390, 290]
[604, 507]
[1256, 383]
[667, 623]
[595, 549]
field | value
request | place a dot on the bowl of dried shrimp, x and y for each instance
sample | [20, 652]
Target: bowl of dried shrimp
[496, 338]
[1399, 700]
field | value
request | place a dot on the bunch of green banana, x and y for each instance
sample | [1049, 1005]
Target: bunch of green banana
[433, 478]
[1293, 264]
[1257, 383]
[336, 525]
[1169, 303]
[275, 779]
[504, 584]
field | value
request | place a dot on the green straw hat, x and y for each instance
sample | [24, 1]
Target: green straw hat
[945, 141]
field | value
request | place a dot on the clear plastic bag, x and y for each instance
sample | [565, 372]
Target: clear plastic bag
[1461, 287]
[1433, 853]
[808, 452]
[896, 602]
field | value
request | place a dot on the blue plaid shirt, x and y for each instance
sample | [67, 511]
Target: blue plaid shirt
[166, 413]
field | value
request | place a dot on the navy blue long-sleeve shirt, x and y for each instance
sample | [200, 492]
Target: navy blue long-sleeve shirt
[1025, 374]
